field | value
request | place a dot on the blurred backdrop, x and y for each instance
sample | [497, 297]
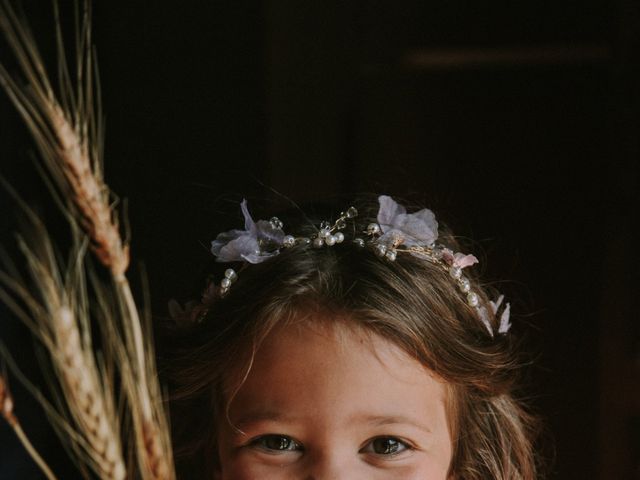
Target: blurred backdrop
[516, 122]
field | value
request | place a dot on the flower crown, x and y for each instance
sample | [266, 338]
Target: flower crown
[396, 232]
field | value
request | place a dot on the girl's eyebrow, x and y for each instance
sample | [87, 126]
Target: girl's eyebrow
[375, 420]
[263, 416]
[382, 420]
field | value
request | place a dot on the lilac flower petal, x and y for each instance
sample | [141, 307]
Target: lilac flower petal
[389, 209]
[419, 228]
[224, 238]
[416, 227]
[236, 250]
[392, 237]
[505, 324]
[496, 305]
[249, 224]
[259, 257]
[463, 261]
[239, 245]
[427, 221]
[484, 318]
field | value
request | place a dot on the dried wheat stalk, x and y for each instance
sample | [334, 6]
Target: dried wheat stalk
[55, 306]
[84, 391]
[90, 195]
[6, 410]
[68, 133]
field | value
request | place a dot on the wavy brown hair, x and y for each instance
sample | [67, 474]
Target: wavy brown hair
[410, 302]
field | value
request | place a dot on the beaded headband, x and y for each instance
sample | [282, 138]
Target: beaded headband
[396, 232]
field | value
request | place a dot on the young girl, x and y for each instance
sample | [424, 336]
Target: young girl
[362, 348]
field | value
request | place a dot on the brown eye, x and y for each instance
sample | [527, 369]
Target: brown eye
[277, 443]
[385, 446]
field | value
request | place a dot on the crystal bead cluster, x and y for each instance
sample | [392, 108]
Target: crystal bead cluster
[328, 234]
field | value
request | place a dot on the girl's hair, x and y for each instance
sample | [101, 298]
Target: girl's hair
[410, 302]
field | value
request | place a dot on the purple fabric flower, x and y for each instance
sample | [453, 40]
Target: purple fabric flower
[258, 241]
[411, 229]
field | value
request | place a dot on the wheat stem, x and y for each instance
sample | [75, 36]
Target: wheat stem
[6, 409]
[32, 451]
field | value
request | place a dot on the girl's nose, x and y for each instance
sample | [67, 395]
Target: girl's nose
[331, 466]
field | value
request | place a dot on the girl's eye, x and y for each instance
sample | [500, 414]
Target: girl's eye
[276, 443]
[385, 446]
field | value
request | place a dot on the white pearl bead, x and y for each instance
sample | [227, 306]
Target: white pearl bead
[381, 250]
[339, 237]
[472, 299]
[225, 283]
[373, 229]
[456, 272]
[318, 242]
[391, 255]
[465, 284]
[330, 240]
[231, 274]
[325, 232]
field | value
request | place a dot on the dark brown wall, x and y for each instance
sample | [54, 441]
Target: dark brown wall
[516, 122]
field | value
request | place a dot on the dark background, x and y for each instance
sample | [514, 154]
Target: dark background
[517, 122]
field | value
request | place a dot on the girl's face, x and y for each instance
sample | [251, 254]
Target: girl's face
[327, 402]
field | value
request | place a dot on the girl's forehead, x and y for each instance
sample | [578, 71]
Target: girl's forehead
[325, 368]
[319, 335]
[337, 331]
